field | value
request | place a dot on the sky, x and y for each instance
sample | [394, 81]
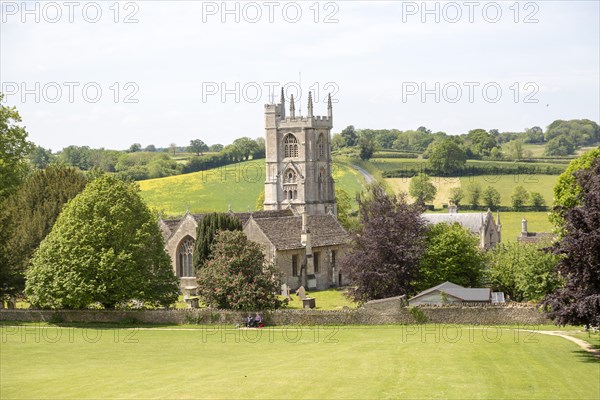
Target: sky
[109, 74]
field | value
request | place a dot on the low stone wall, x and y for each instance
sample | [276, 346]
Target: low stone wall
[471, 315]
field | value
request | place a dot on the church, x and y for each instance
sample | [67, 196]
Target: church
[298, 229]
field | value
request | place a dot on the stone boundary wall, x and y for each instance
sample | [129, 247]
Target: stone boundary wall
[471, 315]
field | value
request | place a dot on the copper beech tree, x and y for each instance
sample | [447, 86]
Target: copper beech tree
[578, 303]
[384, 258]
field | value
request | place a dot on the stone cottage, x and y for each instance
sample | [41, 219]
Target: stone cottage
[480, 224]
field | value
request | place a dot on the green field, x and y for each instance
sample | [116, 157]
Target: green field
[505, 184]
[214, 190]
[511, 224]
[408, 164]
[430, 361]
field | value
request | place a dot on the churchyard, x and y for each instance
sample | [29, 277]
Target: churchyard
[219, 361]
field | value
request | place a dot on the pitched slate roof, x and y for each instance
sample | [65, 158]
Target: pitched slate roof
[536, 237]
[167, 226]
[284, 232]
[170, 225]
[462, 293]
[471, 221]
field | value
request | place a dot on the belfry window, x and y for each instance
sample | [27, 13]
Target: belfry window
[320, 147]
[185, 267]
[290, 144]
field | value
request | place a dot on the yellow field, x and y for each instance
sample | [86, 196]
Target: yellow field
[443, 186]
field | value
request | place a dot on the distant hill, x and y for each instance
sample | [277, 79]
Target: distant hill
[236, 185]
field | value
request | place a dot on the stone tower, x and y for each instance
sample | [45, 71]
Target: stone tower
[298, 152]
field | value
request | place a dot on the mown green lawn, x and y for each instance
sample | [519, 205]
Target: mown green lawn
[430, 361]
[214, 190]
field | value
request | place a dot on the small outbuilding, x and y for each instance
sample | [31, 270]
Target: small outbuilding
[451, 293]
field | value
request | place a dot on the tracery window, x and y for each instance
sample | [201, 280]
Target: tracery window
[320, 146]
[185, 267]
[290, 144]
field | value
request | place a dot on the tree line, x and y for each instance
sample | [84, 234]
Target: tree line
[561, 138]
[138, 163]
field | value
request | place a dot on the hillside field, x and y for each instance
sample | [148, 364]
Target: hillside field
[214, 190]
[505, 184]
[310, 362]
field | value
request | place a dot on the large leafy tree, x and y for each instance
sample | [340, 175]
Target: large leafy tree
[421, 189]
[452, 254]
[236, 277]
[245, 147]
[30, 213]
[197, 146]
[491, 197]
[455, 195]
[14, 147]
[519, 197]
[445, 156]
[580, 132]
[523, 271]
[366, 146]
[567, 191]
[474, 193]
[206, 232]
[480, 143]
[383, 260]
[579, 301]
[349, 136]
[106, 248]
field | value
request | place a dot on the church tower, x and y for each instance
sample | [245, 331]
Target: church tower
[298, 152]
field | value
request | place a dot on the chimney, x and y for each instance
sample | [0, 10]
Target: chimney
[304, 221]
[523, 227]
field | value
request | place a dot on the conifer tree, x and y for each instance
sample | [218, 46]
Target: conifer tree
[28, 216]
[206, 231]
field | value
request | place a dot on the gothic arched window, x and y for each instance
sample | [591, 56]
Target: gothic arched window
[290, 144]
[320, 146]
[185, 267]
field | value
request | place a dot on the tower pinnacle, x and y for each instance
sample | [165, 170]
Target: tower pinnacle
[329, 107]
[282, 103]
[292, 108]
[310, 105]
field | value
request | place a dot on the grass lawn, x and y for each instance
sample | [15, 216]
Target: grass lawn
[213, 190]
[453, 362]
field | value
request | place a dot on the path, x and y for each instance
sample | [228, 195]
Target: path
[580, 342]
[368, 177]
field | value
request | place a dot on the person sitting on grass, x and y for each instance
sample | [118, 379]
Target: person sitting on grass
[258, 320]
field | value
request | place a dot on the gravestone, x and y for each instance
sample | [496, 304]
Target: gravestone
[301, 292]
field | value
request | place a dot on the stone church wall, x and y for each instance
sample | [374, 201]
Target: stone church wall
[468, 315]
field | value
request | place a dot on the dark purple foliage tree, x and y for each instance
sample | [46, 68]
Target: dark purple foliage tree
[384, 258]
[578, 303]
